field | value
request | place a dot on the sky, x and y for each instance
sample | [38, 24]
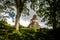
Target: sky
[25, 20]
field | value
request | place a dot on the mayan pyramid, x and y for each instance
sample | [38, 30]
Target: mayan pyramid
[34, 22]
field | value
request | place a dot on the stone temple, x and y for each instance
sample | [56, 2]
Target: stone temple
[34, 22]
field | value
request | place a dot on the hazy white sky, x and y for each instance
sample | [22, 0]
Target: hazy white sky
[25, 20]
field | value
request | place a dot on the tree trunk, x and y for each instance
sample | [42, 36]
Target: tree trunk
[53, 13]
[54, 18]
[54, 22]
[17, 22]
[19, 6]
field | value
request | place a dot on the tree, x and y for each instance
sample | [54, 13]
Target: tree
[49, 10]
[20, 6]
[54, 12]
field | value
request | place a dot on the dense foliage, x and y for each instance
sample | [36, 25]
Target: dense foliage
[8, 32]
